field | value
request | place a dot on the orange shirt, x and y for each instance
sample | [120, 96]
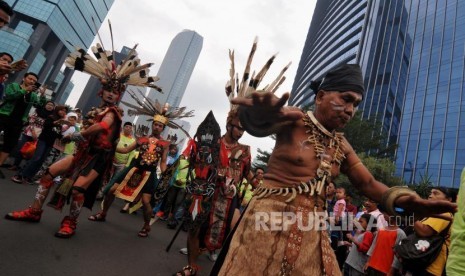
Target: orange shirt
[382, 254]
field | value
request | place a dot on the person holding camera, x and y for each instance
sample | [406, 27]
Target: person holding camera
[14, 111]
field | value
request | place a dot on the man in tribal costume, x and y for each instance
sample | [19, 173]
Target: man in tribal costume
[139, 180]
[309, 153]
[97, 143]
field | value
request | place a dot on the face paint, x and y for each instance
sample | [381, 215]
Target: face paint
[337, 107]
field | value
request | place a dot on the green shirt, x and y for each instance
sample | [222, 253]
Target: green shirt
[181, 173]
[13, 94]
[455, 263]
[124, 141]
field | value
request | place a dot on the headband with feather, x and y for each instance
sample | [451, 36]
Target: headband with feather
[130, 71]
[246, 86]
[163, 114]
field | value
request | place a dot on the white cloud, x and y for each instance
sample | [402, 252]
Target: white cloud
[281, 26]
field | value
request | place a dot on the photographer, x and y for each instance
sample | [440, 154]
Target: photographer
[14, 111]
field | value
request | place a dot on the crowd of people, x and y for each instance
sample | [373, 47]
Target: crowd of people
[249, 220]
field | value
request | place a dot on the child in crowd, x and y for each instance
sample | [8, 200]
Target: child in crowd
[360, 244]
[381, 260]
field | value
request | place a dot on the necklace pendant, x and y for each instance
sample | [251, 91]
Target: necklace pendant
[321, 184]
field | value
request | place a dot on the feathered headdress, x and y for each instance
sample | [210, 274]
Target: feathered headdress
[130, 71]
[247, 86]
[163, 114]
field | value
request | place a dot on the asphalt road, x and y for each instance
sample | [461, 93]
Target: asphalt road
[97, 248]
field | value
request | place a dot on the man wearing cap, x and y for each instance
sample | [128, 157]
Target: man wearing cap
[138, 180]
[309, 153]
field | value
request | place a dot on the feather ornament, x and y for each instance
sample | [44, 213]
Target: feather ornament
[130, 71]
[248, 85]
[151, 108]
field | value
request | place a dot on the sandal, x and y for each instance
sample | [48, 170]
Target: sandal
[190, 269]
[144, 233]
[97, 217]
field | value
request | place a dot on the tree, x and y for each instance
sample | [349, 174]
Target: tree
[382, 169]
[261, 160]
[423, 188]
[367, 136]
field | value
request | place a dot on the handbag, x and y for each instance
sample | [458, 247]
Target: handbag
[28, 149]
[417, 253]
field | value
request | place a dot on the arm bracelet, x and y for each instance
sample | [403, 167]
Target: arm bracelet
[391, 195]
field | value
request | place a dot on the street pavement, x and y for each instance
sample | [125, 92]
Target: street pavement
[98, 248]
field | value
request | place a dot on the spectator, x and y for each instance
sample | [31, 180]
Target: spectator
[5, 60]
[330, 196]
[19, 98]
[57, 149]
[70, 127]
[351, 209]
[360, 244]
[372, 209]
[381, 255]
[177, 192]
[47, 137]
[5, 12]
[257, 179]
[432, 226]
[32, 131]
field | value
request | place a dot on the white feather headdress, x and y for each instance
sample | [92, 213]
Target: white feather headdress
[246, 86]
[130, 71]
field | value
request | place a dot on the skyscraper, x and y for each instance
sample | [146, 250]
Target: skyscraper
[177, 67]
[39, 31]
[412, 56]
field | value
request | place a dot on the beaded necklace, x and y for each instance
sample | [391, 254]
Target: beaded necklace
[318, 134]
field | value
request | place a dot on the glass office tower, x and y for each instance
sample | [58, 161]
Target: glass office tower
[177, 67]
[412, 56]
[44, 33]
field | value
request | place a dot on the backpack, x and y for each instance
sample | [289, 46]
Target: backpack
[417, 253]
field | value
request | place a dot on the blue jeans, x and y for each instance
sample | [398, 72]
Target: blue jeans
[34, 164]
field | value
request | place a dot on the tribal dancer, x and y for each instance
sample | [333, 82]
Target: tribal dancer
[97, 143]
[309, 152]
[139, 179]
[211, 221]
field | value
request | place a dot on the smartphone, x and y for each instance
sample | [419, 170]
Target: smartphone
[38, 84]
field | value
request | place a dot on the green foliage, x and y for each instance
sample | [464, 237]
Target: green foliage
[367, 136]
[382, 169]
[261, 160]
[423, 188]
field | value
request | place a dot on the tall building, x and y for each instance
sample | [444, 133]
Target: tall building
[334, 37]
[177, 67]
[411, 53]
[40, 31]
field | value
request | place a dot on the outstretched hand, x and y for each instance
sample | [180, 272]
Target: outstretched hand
[19, 65]
[421, 208]
[268, 103]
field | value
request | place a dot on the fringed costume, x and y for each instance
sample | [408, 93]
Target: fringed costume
[93, 154]
[292, 251]
[141, 175]
[219, 171]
